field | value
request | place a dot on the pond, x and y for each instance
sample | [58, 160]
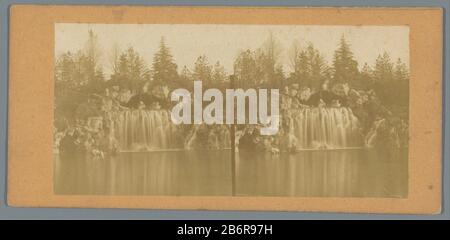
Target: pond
[323, 173]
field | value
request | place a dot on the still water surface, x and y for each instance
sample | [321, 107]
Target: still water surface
[331, 173]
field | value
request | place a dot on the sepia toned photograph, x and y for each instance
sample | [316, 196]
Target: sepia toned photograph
[231, 110]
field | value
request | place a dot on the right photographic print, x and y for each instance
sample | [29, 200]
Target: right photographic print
[344, 107]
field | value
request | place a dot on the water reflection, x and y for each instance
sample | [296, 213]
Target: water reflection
[332, 173]
[156, 173]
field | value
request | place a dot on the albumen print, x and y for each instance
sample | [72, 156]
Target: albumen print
[231, 110]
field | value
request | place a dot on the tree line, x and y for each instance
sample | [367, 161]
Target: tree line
[82, 71]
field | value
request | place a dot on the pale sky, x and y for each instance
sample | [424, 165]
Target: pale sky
[223, 42]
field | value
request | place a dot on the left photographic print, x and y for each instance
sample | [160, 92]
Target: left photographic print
[113, 128]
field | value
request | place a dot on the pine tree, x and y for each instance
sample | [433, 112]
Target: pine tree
[185, 74]
[114, 56]
[137, 69]
[96, 85]
[65, 75]
[293, 53]
[401, 72]
[92, 56]
[310, 68]
[384, 69]
[302, 69]
[267, 60]
[219, 74]
[122, 71]
[365, 81]
[91, 49]
[87, 66]
[345, 67]
[319, 69]
[279, 76]
[164, 67]
[64, 68]
[202, 70]
[383, 77]
[245, 69]
[131, 71]
[401, 82]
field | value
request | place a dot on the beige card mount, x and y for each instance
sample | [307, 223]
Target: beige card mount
[163, 108]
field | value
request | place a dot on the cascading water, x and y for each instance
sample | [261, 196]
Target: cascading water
[370, 139]
[153, 130]
[324, 128]
[138, 130]
[309, 128]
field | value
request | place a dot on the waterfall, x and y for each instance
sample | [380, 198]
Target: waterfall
[324, 128]
[153, 130]
[145, 130]
[309, 128]
[371, 137]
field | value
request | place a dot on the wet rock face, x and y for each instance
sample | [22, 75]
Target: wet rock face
[372, 123]
[307, 128]
[327, 119]
[388, 132]
[325, 96]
